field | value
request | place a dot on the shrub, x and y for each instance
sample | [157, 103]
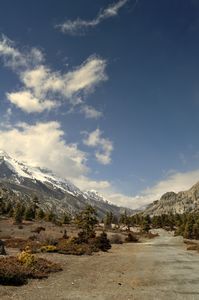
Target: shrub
[26, 258]
[47, 239]
[48, 248]
[70, 247]
[82, 237]
[65, 236]
[116, 239]
[21, 244]
[38, 229]
[131, 238]
[151, 235]
[102, 242]
[193, 247]
[32, 237]
[15, 243]
[14, 272]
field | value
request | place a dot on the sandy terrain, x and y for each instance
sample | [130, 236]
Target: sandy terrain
[158, 269]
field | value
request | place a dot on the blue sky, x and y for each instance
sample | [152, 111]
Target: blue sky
[104, 93]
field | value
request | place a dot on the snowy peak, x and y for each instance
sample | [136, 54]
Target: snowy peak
[92, 194]
[54, 193]
[3, 154]
[16, 171]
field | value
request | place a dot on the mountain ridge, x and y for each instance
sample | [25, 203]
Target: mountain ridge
[53, 192]
[176, 203]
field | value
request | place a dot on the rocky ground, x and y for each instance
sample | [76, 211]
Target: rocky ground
[157, 269]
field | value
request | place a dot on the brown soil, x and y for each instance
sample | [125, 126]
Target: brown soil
[159, 269]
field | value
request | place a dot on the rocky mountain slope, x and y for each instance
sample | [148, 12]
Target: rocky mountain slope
[21, 181]
[182, 202]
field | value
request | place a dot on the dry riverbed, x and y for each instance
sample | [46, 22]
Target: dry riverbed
[157, 269]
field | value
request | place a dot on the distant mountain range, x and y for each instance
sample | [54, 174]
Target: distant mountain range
[182, 202]
[54, 193]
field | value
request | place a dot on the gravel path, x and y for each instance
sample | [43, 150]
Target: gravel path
[159, 269]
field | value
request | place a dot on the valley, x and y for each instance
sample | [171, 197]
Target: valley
[161, 268]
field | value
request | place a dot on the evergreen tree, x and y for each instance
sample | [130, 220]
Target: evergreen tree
[86, 221]
[108, 220]
[18, 214]
[29, 213]
[40, 215]
[50, 217]
[146, 224]
[66, 219]
[125, 220]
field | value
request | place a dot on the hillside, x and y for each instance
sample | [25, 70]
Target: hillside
[176, 203]
[20, 181]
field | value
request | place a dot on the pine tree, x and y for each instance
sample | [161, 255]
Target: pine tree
[66, 219]
[40, 215]
[18, 214]
[108, 220]
[29, 213]
[86, 220]
[50, 217]
[146, 224]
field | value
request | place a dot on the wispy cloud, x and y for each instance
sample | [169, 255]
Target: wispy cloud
[90, 112]
[15, 59]
[78, 26]
[44, 89]
[104, 146]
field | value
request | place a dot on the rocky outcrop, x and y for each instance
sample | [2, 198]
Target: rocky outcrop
[176, 203]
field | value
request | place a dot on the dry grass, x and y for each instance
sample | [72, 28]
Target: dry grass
[69, 247]
[22, 244]
[191, 245]
[13, 272]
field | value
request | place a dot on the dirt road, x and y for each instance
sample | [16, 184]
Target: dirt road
[160, 269]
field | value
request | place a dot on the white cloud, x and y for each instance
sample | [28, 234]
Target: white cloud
[84, 78]
[78, 26]
[87, 76]
[104, 146]
[28, 103]
[42, 86]
[86, 184]
[15, 59]
[90, 112]
[175, 182]
[43, 145]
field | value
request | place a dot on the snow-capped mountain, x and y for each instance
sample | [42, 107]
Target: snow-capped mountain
[53, 192]
[18, 172]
